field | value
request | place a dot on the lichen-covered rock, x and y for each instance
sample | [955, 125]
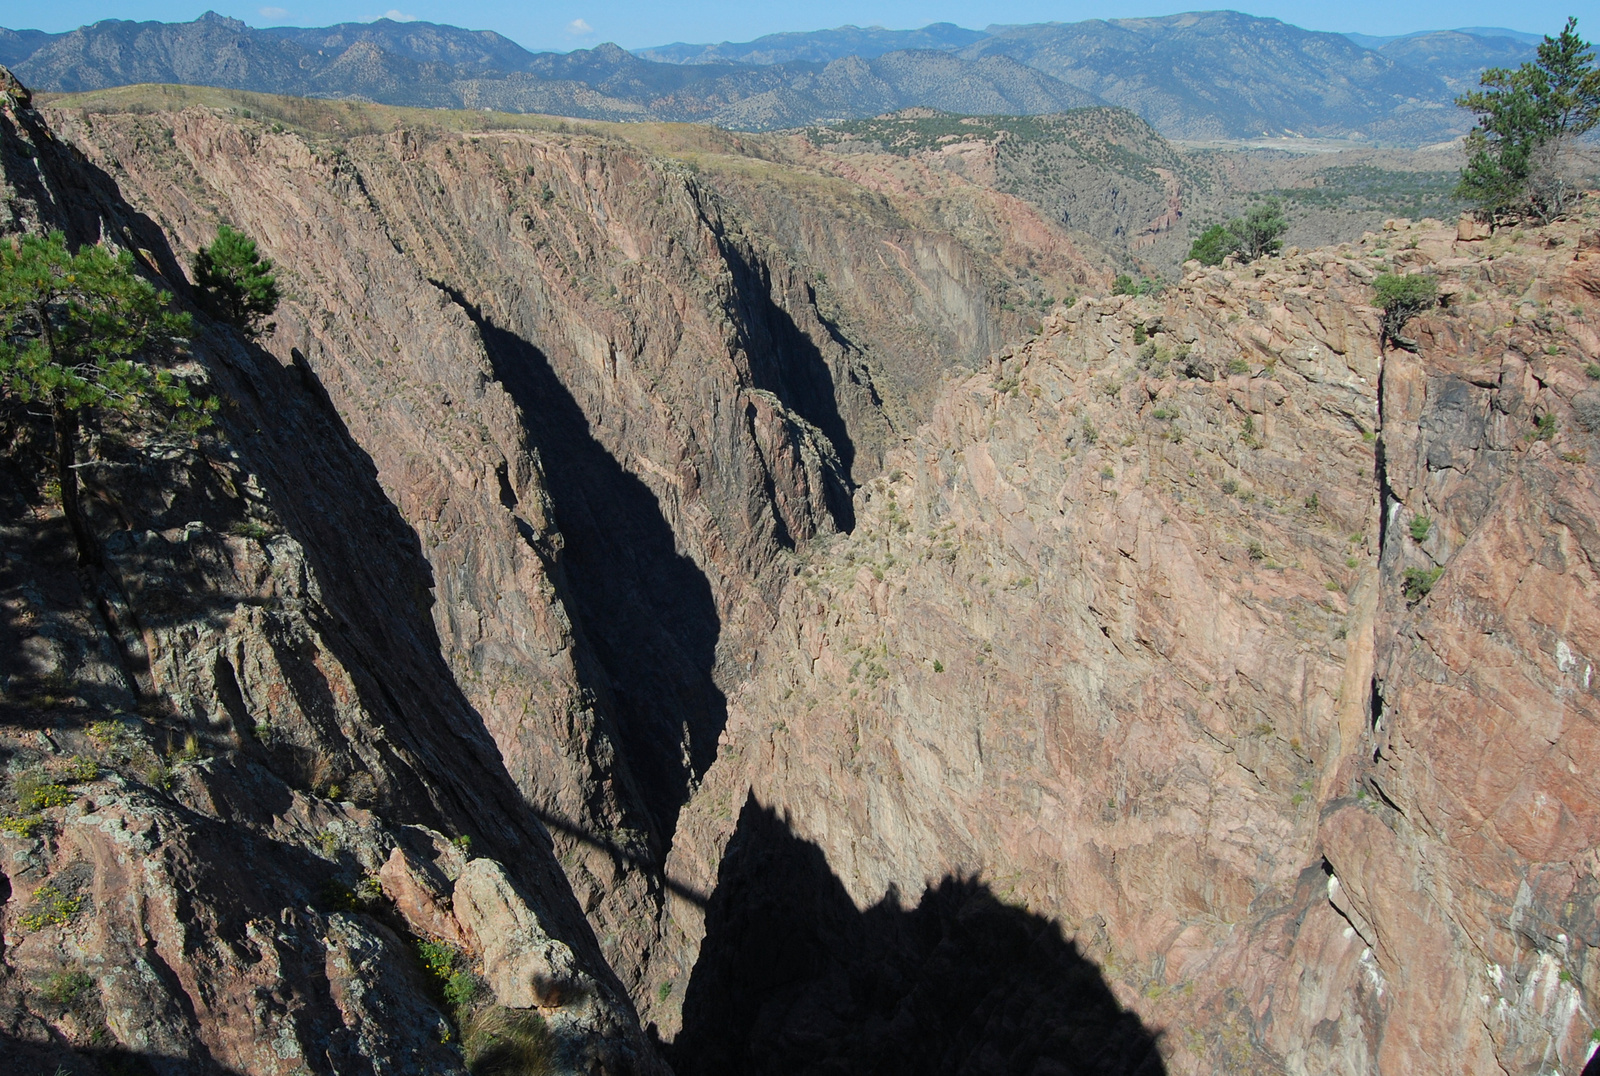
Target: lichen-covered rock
[525, 966]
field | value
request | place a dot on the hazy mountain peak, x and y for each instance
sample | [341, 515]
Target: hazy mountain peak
[1201, 74]
[817, 45]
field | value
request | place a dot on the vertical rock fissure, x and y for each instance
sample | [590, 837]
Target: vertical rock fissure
[786, 362]
[643, 611]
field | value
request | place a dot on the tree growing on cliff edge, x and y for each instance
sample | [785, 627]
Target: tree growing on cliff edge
[236, 283]
[1402, 298]
[1519, 154]
[1256, 234]
[83, 333]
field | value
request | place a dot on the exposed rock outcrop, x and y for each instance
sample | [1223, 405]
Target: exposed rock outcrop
[607, 391]
[1193, 687]
[217, 736]
[1255, 657]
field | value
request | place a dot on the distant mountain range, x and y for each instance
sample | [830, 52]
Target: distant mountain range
[819, 46]
[1205, 75]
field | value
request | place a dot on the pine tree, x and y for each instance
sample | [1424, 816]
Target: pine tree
[236, 283]
[1213, 245]
[1261, 231]
[1527, 119]
[1255, 235]
[82, 333]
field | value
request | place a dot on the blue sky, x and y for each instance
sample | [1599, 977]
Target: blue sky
[568, 24]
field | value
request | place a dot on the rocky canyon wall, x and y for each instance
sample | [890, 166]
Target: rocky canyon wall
[1254, 657]
[608, 401]
[242, 782]
[1189, 685]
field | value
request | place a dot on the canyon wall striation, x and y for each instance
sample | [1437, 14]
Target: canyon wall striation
[1189, 685]
[242, 781]
[1255, 657]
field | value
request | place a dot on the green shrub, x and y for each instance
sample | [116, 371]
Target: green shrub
[48, 796]
[1238, 366]
[235, 282]
[67, 987]
[1526, 119]
[1255, 235]
[21, 825]
[85, 333]
[36, 791]
[1421, 527]
[50, 907]
[1418, 582]
[157, 774]
[438, 959]
[1592, 371]
[251, 529]
[1261, 231]
[1128, 285]
[1212, 245]
[1402, 297]
[461, 990]
[81, 769]
[1544, 427]
[109, 734]
[1229, 486]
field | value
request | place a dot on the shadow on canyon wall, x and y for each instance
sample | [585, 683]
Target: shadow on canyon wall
[644, 610]
[439, 766]
[786, 362]
[793, 978]
[29, 1057]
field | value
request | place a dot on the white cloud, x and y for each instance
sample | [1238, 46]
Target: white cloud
[393, 14]
[579, 28]
[274, 12]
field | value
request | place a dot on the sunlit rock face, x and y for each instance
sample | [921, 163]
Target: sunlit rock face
[816, 678]
[1254, 656]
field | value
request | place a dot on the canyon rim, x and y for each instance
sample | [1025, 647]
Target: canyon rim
[711, 598]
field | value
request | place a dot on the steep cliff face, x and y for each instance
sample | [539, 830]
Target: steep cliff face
[1254, 657]
[235, 759]
[608, 391]
[1194, 687]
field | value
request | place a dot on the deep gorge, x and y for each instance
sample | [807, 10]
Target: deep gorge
[828, 668]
